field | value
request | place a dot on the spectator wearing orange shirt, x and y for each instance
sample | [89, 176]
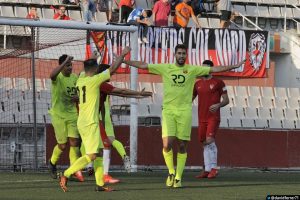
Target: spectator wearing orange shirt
[161, 12]
[60, 15]
[183, 12]
[126, 7]
[32, 13]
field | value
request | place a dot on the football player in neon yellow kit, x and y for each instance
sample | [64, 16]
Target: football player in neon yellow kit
[64, 114]
[109, 135]
[106, 126]
[178, 82]
[88, 120]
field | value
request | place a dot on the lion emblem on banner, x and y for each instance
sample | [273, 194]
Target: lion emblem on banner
[257, 49]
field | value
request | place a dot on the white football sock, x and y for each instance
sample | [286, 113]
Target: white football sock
[106, 160]
[206, 158]
[213, 154]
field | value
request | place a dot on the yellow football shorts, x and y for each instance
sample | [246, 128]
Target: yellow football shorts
[64, 128]
[91, 138]
[177, 123]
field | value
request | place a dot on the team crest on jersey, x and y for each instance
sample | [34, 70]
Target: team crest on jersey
[257, 49]
[185, 71]
[211, 86]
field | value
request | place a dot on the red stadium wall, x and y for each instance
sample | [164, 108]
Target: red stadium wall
[236, 148]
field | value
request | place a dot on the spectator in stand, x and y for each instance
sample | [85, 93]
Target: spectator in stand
[105, 6]
[71, 2]
[140, 17]
[60, 14]
[183, 12]
[32, 13]
[161, 12]
[198, 7]
[125, 6]
[89, 9]
[174, 3]
[224, 6]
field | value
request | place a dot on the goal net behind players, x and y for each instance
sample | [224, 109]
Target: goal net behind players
[28, 55]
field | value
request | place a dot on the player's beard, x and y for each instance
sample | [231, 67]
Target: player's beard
[180, 61]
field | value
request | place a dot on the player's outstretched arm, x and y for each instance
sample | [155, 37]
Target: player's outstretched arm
[58, 69]
[118, 61]
[130, 93]
[226, 68]
[137, 64]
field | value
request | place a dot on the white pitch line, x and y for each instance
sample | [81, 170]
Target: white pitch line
[25, 181]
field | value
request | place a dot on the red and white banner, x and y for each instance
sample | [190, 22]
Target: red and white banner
[222, 46]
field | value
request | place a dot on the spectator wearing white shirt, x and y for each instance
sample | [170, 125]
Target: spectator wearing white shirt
[140, 17]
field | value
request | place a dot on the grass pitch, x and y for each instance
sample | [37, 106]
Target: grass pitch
[231, 184]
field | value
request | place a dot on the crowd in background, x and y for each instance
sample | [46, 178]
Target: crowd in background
[175, 13]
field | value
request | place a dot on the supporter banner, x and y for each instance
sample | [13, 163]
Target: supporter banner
[222, 46]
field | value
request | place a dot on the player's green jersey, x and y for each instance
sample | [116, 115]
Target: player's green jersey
[89, 94]
[178, 83]
[62, 89]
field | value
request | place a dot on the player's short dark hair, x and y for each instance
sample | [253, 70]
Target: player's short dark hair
[62, 58]
[180, 46]
[103, 67]
[149, 13]
[90, 64]
[208, 62]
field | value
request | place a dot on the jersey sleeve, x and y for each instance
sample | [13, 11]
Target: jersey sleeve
[178, 7]
[106, 88]
[157, 68]
[200, 70]
[155, 8]
[102, 77]
[57, 80]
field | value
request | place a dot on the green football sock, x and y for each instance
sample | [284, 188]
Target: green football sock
[73, 154]
[79, 164]
[98, 168]
[55, 155]
[181, 159]
[120, 148]
[168, 156]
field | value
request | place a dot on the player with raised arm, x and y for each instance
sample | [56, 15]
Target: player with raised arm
[108, 135]
[64, 114]
[210, 91]
[178, 82]
[88, 120]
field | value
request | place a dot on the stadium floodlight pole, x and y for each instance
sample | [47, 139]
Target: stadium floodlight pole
[133, 103]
